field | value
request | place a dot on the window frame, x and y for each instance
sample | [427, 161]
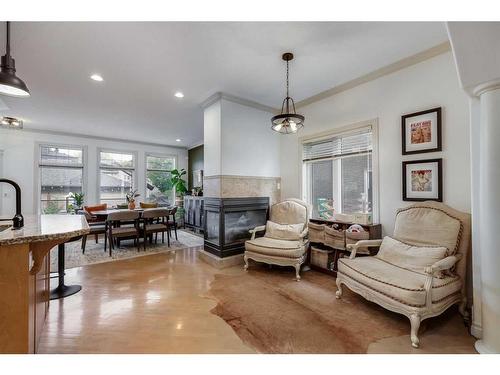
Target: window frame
[157, 155]
[340, 131]
[115, 151]
[38, 169]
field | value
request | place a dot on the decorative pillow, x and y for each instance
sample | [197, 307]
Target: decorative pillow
[99, 207]
[415, 258]
[283, 231]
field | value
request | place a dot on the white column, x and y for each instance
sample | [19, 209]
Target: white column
[490, 216]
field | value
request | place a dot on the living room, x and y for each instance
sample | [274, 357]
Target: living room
[174, 187]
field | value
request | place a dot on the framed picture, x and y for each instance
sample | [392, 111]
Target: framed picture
[421, 131]
[423, 180]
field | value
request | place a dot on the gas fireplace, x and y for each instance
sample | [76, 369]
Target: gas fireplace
[228, 220]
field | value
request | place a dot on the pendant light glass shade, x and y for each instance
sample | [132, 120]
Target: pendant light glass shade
[10, 84]
[288, 121]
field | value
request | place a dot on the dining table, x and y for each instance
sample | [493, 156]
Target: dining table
[102, 215]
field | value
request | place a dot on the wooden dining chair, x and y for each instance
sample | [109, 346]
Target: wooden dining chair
[172, 223]
[96, 228]
[118, 226]
[155, 221]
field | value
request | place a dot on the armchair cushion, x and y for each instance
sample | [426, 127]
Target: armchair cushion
[415, 258]
[277, 231]
[276, 247]
[399, 284]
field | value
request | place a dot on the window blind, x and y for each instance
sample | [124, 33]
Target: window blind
[339, 145]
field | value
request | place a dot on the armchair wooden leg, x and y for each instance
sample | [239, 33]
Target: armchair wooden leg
[96, 238]
[339, 292]
[415, 325]
[297, 272]
[245, 267]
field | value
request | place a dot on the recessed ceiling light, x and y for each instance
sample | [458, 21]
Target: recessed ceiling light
[97, 77]
[179, 94]
[177, 140]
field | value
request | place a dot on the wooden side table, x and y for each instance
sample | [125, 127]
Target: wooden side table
[374, 231]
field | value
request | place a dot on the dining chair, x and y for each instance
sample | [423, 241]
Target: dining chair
[96, 228]
[155, 221]
[117, 226]
[172, 223]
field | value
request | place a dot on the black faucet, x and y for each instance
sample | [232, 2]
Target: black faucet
[17, 220]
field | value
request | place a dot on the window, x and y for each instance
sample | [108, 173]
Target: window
[337, 173]
[61, 173]
[116, 176]
[158, 185]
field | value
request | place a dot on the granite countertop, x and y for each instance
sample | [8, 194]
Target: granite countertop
[39, 228]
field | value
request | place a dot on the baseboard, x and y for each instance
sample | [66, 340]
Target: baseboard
[220, 263]
[476, 331]
[483, 349]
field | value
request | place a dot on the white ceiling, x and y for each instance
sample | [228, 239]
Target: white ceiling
[144, 64]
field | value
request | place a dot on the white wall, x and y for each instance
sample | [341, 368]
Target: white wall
[238, 141]
[212, 139]
[429, 84]
[19, 163]
[249, 146]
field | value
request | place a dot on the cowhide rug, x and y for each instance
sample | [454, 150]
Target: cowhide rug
[273, 313]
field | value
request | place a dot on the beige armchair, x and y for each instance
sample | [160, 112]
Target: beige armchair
[420, 271]
[285, 240]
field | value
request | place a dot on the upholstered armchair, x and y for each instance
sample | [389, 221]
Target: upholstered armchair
[419, 271]
[285, 240]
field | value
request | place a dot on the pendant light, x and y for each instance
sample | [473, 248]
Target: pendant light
[288, 121]
[10, 84]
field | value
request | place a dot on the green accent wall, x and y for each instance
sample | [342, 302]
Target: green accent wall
[195, 162]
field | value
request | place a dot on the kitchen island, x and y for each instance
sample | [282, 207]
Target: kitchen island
[25, 276]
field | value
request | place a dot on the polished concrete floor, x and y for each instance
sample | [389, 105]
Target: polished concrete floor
[158, 304]
[150, 304]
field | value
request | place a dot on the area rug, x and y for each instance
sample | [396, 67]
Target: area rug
[94, 253]
[273, 313]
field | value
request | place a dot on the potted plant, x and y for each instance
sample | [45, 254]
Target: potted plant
[130, 196]
[78, 201]
[179, 185]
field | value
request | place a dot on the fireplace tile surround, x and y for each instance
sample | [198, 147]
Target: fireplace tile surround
[231, 186]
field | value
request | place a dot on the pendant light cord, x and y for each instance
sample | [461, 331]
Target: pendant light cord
[287, 79]
[7, 47]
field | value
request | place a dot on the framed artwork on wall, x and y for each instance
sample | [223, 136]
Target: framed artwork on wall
[423, 180]
[421, 131]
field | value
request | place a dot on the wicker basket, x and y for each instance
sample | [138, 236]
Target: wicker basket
[316, 232]
[321, 257]
[353, 237]
[334, 238]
